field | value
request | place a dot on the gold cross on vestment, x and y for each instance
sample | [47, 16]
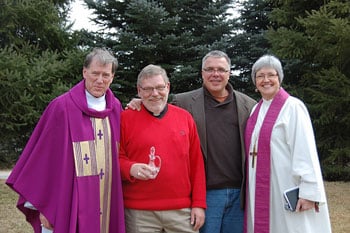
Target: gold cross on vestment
[254, 154]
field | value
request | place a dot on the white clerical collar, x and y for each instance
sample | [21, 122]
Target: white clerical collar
[268, 102]
[98, 104]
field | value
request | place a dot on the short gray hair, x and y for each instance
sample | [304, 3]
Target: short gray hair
[268, 61]
[103, 56]
[152, 70]
[218, 54]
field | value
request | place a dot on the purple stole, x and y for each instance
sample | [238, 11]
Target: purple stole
[263, 163]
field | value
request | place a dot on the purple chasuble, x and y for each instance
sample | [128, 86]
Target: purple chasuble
[45, 173]
[263, 165]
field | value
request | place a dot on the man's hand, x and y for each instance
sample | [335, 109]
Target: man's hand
[134, 104]
[197, 218]
[142, 171]
[45, 223]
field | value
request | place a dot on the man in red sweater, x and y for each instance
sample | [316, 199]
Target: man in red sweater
[161, 162]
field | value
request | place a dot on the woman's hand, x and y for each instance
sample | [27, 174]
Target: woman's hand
[304, 205]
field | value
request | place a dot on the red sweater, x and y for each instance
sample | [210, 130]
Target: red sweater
[181, 180]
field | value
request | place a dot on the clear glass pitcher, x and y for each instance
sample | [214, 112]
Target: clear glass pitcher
[155, 162]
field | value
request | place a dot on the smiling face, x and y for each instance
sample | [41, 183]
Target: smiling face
[153, 91]
[267, 82]
[215, 75]
[98, 77]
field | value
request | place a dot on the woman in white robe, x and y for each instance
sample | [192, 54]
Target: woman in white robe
[280, 126]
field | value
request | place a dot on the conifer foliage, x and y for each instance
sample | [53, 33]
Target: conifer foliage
[38, 61]
[315, 44]
[173, 34]
[41, 57]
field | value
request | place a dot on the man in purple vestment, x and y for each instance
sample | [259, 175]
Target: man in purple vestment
[68, 176]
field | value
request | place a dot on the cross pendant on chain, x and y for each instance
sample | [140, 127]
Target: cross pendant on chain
[254, 154]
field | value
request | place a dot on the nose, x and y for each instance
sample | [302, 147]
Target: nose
[155, 91]
[99, 78]
[266, 78]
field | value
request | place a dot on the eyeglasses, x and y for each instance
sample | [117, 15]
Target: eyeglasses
[212, 70]
[269, 76]
[150, 90]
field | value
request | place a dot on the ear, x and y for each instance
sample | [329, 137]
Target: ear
[84, 72]
[138, 92]
[202, 72]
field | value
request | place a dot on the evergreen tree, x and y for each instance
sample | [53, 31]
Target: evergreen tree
[319, 40]
[173, 34]
[248, 42]
[37, 22]
[38, 61]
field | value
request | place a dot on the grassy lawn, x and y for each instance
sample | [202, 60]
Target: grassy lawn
[338, 194]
